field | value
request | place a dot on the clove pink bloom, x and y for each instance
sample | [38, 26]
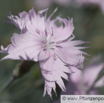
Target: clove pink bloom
[40, 39]
[83, 80]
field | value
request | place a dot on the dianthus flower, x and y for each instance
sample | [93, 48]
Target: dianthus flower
[40, 39]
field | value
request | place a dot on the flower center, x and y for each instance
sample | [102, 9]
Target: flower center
[46, 45]
[47, 42]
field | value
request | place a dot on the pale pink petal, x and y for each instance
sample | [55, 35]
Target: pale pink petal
[32, 14]
[64, 32]
[55, 70]
[69, 52]
[88, 77]
[3, 50]
[20, 48]
[76, 75]
[71, 57]
[20, 21]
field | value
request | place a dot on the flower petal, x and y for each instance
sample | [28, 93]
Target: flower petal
[62, 33]
[69, 52]
[76, 75]
[52, 71]
[88, 77]
[70, 57]
[19, 22]
[20, 48]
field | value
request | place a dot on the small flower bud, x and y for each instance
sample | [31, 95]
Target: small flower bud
[22, 68]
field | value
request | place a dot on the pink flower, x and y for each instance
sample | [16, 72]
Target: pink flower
[85, 79]
[42, 40]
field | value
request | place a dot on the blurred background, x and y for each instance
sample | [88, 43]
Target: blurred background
[88, 19]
